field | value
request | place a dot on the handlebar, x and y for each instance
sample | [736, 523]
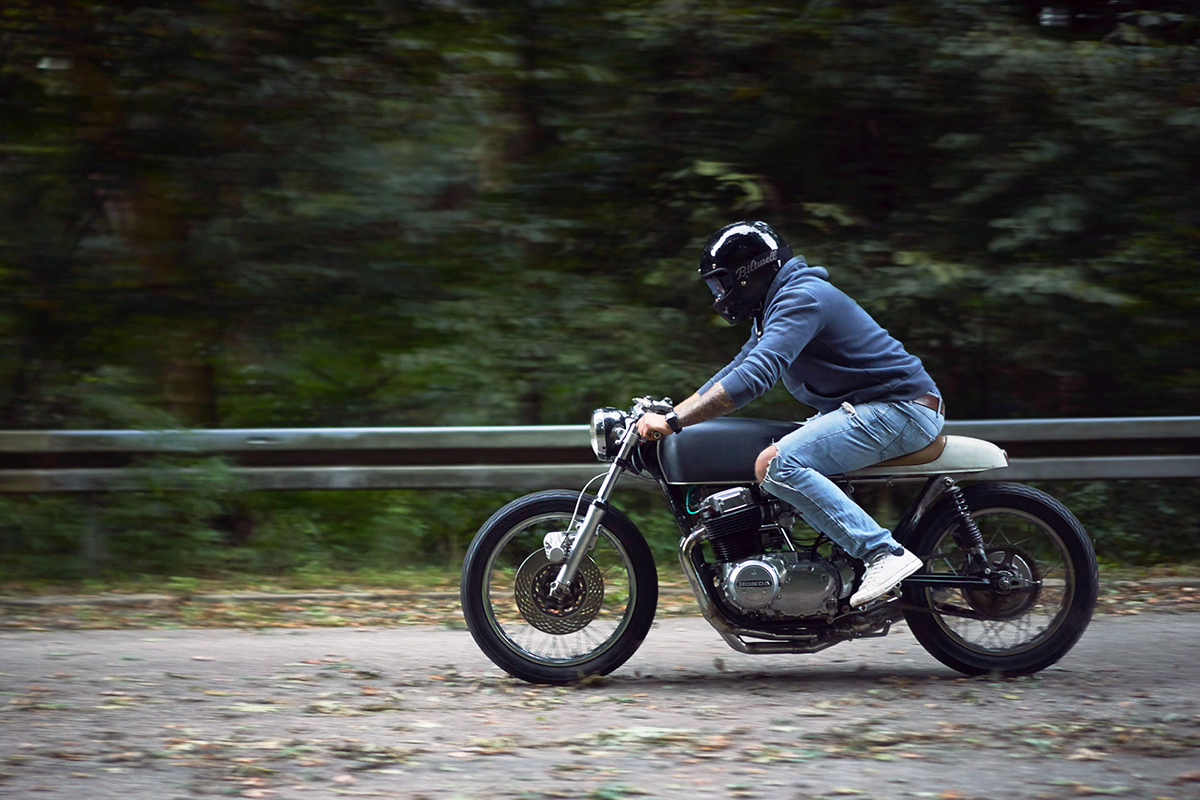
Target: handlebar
[649, 405]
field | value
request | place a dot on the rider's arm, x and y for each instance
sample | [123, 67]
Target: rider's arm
[714, 403]
[697, 408]
[788, 327]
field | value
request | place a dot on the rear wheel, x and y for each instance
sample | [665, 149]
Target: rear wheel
[537, 637]
[1048, 562]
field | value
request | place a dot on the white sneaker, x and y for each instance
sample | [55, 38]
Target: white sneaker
[884, 571]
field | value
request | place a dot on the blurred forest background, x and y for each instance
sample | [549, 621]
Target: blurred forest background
[279, 213]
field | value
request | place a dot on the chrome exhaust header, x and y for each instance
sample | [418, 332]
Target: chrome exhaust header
[732, 634]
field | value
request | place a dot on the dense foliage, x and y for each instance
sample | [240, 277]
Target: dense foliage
[453, 212]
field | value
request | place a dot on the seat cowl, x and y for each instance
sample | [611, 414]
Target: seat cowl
[958, 454]
[923, 456]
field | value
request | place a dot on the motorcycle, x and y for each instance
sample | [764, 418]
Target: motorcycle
[558, 586]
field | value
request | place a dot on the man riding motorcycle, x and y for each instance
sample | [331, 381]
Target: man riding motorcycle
[875, 401]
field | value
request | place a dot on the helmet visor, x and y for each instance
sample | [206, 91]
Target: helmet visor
[715, 286]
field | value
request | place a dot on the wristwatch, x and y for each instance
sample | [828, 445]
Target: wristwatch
[673, 420]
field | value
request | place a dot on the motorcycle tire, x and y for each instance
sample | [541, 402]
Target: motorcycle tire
[1023, 630]
[534, 636]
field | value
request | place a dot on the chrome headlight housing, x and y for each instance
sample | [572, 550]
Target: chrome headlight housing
[607, 428]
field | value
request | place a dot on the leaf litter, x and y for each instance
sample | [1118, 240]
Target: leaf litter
[1125, 597]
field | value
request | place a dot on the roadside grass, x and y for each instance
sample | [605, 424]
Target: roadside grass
[415, 579]
[1123, 572]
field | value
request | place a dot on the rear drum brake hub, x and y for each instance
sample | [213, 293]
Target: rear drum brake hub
[997, 604]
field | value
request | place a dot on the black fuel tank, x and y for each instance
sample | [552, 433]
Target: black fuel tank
[720, 450]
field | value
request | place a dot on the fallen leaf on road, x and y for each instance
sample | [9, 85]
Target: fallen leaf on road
[1086, 754]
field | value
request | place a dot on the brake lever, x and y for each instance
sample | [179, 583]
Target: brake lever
[648, 405]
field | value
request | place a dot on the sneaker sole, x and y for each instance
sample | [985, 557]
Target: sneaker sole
[900, 579]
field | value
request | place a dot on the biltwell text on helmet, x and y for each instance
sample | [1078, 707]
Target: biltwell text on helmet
[738, 263]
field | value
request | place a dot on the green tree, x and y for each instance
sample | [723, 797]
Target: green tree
[308, 213]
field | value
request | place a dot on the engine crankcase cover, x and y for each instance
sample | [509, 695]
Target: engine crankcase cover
[751, 585]
[808, 587]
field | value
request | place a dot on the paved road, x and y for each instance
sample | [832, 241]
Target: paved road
[418, 712]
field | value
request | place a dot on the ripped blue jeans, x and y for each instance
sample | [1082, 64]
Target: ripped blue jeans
[845, 439]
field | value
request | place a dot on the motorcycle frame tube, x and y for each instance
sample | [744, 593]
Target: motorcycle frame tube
[929, 494]
[591, 520]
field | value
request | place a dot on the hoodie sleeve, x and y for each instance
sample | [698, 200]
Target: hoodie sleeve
[793, 318]
[732, 365]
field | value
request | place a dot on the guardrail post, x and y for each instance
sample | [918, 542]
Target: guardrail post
[93, 545]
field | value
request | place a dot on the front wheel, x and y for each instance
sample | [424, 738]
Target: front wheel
[1043, 551]
[535, 636]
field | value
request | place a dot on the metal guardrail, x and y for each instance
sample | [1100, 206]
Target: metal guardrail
[517, 457]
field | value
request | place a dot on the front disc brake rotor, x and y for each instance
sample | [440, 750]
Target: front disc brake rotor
[558, 615]
[1011, 603]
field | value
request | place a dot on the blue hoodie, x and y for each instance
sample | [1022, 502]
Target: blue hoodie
[823, 345]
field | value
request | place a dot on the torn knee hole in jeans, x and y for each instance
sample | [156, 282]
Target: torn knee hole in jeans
[768, 482]
[766, 469]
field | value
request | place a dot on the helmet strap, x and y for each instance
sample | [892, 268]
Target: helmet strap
[785, 255]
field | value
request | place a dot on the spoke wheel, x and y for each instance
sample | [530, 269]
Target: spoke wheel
[528, 631]
[1045, 583]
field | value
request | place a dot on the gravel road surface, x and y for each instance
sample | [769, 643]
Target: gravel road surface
[418, 712]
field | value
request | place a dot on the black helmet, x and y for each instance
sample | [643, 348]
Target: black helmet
[738, 264]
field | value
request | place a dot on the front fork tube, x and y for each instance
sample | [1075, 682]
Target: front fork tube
[588, 529]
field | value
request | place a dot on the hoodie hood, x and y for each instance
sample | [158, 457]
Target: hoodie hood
[795, 268]
[800, 266]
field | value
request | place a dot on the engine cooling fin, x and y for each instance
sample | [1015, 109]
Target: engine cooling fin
[733, 534]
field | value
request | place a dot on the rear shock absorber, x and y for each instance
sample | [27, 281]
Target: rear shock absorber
[969, 538]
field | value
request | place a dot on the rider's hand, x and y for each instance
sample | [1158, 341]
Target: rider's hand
[651, 424]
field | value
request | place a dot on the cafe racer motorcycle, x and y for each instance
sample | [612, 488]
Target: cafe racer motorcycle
[560, 585]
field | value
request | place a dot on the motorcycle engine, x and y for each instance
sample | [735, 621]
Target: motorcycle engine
[766, 584]
[783, 584]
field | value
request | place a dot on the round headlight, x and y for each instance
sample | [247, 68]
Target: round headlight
[604, 420]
